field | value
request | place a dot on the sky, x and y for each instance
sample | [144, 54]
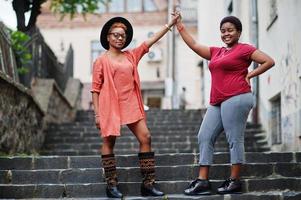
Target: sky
[7, 14]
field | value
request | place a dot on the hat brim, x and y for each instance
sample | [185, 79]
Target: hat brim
[106, 27]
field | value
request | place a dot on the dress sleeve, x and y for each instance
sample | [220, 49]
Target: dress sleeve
[97, 76]
[247, 51]
[139, 51]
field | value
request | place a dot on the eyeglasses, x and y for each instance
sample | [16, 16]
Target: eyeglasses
[118, 35]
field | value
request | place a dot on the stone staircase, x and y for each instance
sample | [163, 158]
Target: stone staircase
[173, 131]
[72, 167]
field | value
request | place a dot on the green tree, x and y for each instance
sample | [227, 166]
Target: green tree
[73, 7]
[23, 56]
[63, 7]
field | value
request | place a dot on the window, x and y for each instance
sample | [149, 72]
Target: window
[276, 120]
[189, 12]
[154, 102]
[149, 5]
[134, 5]
[116, 6]
[96, 50]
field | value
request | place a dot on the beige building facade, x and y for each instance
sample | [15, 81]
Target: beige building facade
[280, 88]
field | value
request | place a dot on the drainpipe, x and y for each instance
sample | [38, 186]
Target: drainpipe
[175, 97]
[254, 38]
[170, 73]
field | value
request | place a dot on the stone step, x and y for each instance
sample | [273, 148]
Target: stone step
[149, 122]
[187, 143]
[152, 126]
[160, 134]
[133, 188]
[72, 152]
[67, 162]
[271, 195]
[156, 116]
[157, 119]
[162, 138]
[166, 129]
[157, 146]
[130, 146]
[177, 143]
[162, 128]
[79, 128]
[150, 117]
[152, 113]
[132, 174]
[155, 138]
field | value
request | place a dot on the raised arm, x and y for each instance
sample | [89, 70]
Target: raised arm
[265, 61]
[201, 50]
[158, 35]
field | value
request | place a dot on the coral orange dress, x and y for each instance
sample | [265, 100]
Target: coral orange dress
[118, 85]
[127, 94]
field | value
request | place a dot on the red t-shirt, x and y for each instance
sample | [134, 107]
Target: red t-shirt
[229, 69]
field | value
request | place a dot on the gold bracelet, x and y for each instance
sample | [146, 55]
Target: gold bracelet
[168, 27]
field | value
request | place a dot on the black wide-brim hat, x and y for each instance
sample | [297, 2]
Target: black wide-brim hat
[106, 27]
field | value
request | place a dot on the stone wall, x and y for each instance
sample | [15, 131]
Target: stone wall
[57, 107]
[73, 93]
[21, 118]
[24, 113]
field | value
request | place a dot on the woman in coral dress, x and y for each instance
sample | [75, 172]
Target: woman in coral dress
[117, 100]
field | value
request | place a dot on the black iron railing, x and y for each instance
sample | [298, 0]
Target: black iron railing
[44, 62]
[7, 58]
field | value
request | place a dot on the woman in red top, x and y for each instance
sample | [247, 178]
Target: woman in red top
[117, 100]
[230, 100]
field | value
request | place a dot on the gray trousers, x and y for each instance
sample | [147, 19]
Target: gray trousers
[231, 116]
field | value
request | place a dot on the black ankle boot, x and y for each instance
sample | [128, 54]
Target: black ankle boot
[109, 165]
[147, 168]
[113, 192]
[230, 186]
[150, 190]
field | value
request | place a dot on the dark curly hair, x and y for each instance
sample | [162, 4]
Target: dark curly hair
[232, 20]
